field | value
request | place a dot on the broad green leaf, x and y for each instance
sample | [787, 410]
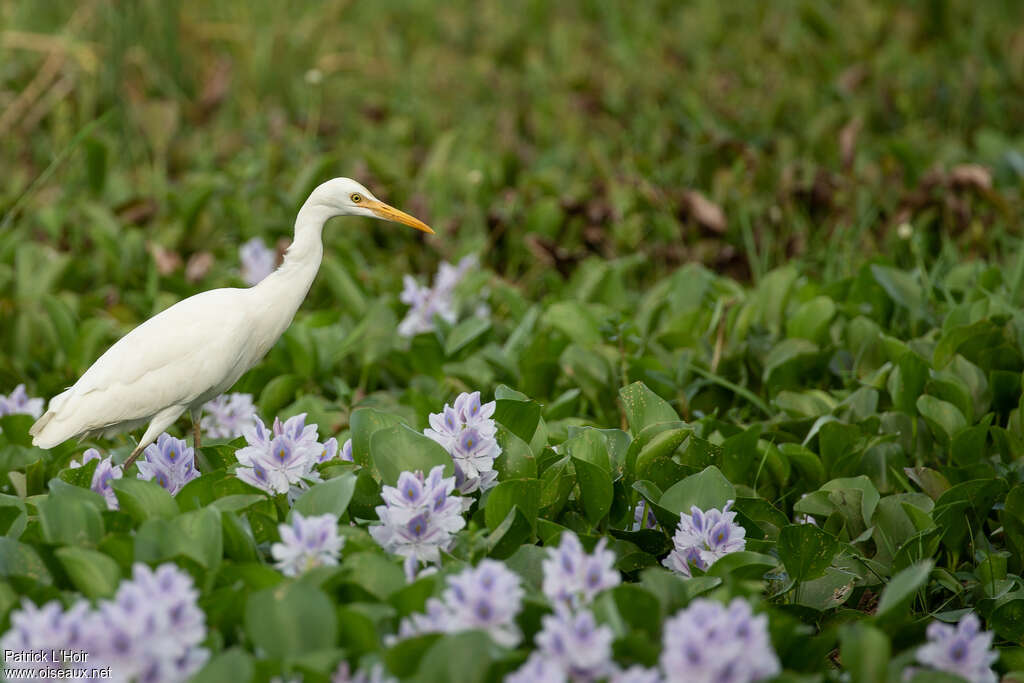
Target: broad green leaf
[144, 499]
[233, 664]
[67, 521]
[865, 652]
[519, 416]
[94, 574]
[806, 551]
[290, 619]
[522, 493]
[902, 587]
[21, 560]
[398, 449]
[944, 418]
[331, 496]
[643, 407]
[364, 422]
[465, 333]
[595, 489]
[707, 489]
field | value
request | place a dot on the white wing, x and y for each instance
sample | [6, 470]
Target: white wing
[182, 354]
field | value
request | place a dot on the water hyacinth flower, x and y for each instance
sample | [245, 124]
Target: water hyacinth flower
[487, 598]
[101, 476]
[709, 642]
[538, 669]
[468, 432]
[170, 462]
[642, 521]
[18, 403]
[636, 674]
[150, 631]
[574, 578]
[227, 416]
[703, 537]
[427, 302]
[419, 517]
[282, 459]
[575, 642]
[346, 451]
[306, 543]
[258, 260]
[964, 650]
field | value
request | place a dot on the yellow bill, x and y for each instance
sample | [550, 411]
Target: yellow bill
[390, 213]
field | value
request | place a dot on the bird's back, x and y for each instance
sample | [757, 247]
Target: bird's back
[183, 355]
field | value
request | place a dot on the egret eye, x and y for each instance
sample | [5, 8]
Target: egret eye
[356, 198]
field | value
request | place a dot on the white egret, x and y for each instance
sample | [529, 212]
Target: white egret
[195, 350]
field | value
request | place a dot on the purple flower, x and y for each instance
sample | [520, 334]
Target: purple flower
[419, 517]
[709, 641]
[963, 650]
[282, 459]
[306, 543]
[18, 402]
[575, 641]
[150, 631]
[228, 415]
[467, 431]
[702, 538]
[427, 302]
[346, 451]
[258, 260]
[35, 629]
[101, 476]
[641, 521]
[169, 462]
[573, 577]
[538, 669]
[487, 598]
[636, 674]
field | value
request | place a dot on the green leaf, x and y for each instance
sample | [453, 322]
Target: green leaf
[446, 659]
[144, 499]
[197, 534]
[906, 384]
[234, 665]
[465, 333]
[900, 590]
[68, 521]
[331, 496]
[806, 551]
[398, 449]
[903, 288]
[279, 392]
[518, 416]
[707, 489]
[521, 493]
[364, 422]
[21, 560]
[865, 652]
[811, 319]
[595, 489]
[944, 418]
[94, 574]
[644, 407]
[290, 619]
[1008, 620]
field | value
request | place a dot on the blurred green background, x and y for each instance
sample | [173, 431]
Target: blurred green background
[142, 142]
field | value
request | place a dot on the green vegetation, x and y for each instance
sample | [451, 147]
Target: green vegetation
[765, 253]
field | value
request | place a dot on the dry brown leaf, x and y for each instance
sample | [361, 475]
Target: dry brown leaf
[971, 175]
[848, 141]
[707, 214]
[198, 266]
[167, 261]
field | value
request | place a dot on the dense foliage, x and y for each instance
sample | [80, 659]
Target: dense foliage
[762, 262]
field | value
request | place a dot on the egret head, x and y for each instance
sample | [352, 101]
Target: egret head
[346, 197]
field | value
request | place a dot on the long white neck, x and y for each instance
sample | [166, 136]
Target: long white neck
[284, 290]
